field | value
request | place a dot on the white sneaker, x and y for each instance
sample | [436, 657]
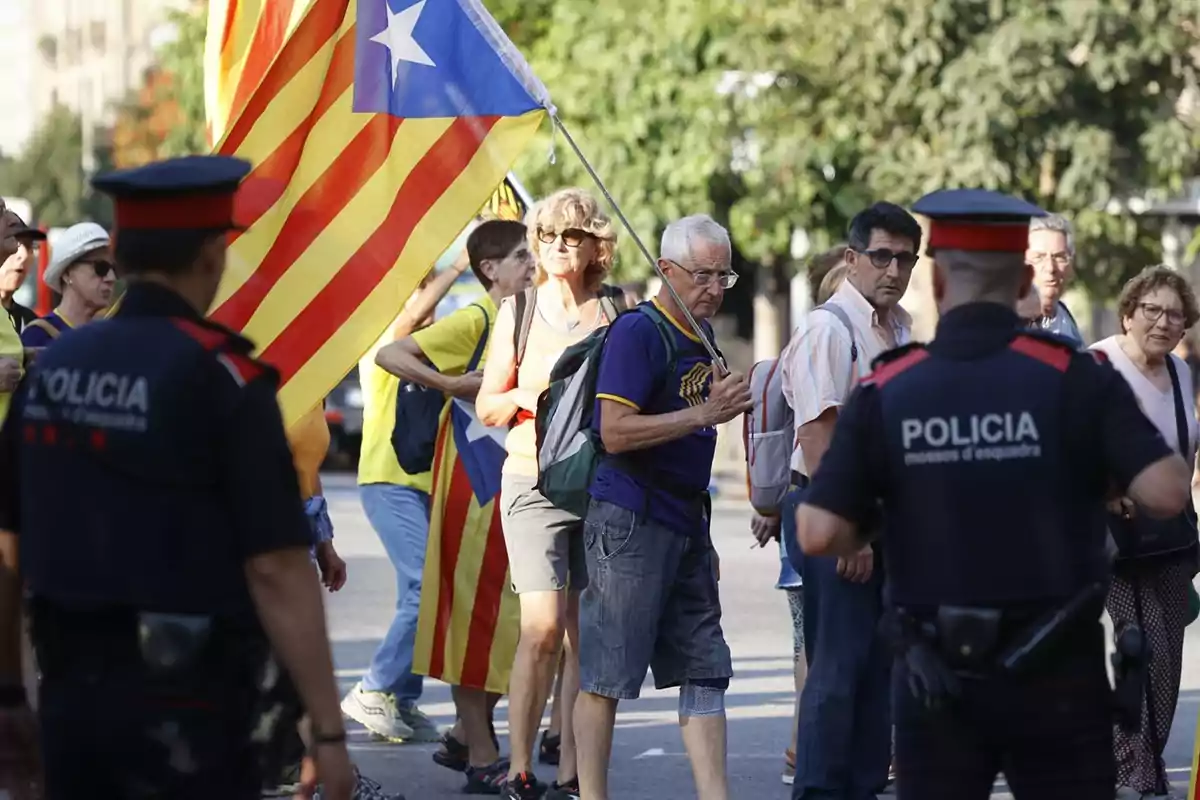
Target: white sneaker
[377, 712]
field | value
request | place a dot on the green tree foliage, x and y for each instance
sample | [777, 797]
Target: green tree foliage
[778, 117]
[183, 60]
[49, 174]
[165, 116]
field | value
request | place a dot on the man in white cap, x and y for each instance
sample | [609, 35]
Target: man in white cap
[81, 270]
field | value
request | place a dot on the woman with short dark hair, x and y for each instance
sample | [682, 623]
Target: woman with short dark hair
[1157, 560]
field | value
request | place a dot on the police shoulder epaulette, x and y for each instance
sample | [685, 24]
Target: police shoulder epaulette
[230, 350]
[890, 364]
[1048, 348]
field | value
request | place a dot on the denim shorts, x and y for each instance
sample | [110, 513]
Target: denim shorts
[652, 602]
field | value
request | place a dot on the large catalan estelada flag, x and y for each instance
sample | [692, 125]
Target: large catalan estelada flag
[470, 618]
[1193, 779]
[377, 130]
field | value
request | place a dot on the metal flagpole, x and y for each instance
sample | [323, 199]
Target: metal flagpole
[708, 345]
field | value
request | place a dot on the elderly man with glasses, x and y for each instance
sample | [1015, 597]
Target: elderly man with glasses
[1051, 253]
[652, 600]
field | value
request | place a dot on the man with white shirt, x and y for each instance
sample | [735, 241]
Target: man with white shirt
[1051, 253]
[844, 744]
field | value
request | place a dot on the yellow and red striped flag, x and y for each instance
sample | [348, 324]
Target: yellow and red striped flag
[470, 618]
[377, 130]
[1193, 782]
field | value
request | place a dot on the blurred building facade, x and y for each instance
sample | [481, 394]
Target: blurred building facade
[85, 54]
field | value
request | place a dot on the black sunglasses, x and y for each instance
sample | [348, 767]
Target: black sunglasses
[882, 258]
[572, 237]
[101, 267]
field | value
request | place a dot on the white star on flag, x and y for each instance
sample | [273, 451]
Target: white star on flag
[476, 430]
[397, 37]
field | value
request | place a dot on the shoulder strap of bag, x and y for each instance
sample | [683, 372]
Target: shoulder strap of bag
[666, 333]
[1181, 426]
[612, 302]
[523, 307]
[45, 326]
[840, 313]
[477, 356]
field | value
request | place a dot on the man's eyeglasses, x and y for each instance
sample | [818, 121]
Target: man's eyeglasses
[1060, 258]
[572, 237]
[1153, 313]
[704, 277]
[882, 257]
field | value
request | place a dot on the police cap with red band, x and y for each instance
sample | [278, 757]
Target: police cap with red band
[189, 193]
[977, 220]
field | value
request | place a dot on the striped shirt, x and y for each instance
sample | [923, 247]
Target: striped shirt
[818, 373]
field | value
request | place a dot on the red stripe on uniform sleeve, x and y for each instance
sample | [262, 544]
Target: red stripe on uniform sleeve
[246, 368]
[1049, 354]
[885, 372]
[206, 337]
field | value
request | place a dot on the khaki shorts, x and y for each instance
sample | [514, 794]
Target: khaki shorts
[545, 543]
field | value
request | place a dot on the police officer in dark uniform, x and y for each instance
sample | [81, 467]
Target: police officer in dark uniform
[163, 543]
[985, 459]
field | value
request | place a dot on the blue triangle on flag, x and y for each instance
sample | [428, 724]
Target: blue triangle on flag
[429, 58]
[481, 456]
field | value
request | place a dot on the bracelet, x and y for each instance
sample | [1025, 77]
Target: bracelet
[328, 738]
[12, 696]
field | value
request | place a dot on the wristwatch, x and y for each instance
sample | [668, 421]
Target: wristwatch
[319, 738]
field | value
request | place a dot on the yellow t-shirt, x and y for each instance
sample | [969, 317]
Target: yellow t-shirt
[449, 343]
[377, 460]
[309, 440]
[10, 347]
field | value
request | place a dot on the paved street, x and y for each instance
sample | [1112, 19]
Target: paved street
[648, 760]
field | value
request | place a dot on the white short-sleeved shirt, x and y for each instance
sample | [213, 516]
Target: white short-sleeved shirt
[816, 367]
[1157, 405]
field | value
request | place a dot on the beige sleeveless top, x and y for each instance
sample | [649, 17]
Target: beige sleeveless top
[543, 348]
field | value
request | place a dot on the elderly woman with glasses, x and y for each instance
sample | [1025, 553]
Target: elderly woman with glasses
[81, 270]
[573, 242]
[1157, 560]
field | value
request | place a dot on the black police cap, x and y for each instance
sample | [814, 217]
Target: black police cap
[977, 219]
[187, 193]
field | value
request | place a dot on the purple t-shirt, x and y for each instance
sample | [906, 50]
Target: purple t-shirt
[633, 371]
[35, 336]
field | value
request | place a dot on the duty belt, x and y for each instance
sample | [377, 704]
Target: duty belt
[942, 646]
[198, 657]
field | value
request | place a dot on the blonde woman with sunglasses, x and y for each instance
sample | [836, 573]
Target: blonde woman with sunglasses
[574, 243]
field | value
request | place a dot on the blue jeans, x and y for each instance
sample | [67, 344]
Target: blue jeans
[789, 578]
[400, 517]
[843, 747]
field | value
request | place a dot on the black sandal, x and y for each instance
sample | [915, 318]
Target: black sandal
[454, 754]
[548, 752]
[486, 780]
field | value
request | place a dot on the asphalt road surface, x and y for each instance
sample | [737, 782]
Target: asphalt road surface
[648, 759]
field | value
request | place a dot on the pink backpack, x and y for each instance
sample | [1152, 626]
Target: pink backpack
[768, 429]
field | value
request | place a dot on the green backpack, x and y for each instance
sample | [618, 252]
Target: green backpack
[568, 449]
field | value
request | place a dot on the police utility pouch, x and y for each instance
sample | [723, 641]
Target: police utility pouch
[173, 644]
[968, 636]
[1143, 537]
[929, 680]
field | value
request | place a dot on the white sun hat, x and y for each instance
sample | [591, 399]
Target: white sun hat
[69, 246]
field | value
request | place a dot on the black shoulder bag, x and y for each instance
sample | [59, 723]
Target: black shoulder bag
[1143, 537]
[418, 411]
